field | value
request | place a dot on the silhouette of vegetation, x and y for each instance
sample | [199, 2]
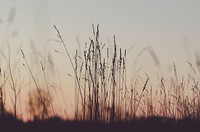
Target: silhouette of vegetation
[104, 101]
[55, 124]
[35, 104]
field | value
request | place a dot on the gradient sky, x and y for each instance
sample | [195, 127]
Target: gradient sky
[170, 27]
[163, 24]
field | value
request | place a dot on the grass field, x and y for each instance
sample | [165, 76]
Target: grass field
[155, 124]
[104, 101]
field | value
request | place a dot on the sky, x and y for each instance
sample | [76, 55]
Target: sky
[171, 28]
[141, 23]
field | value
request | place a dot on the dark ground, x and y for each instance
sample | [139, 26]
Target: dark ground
[153, 124]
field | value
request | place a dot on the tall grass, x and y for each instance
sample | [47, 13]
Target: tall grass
[106, 97]
[102, 92]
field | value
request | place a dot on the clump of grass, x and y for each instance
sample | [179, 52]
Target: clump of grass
[45, 112]
[105, 96]
[102, 93]
[39, 104]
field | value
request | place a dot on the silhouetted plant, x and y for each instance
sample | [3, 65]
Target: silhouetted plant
[35, 104]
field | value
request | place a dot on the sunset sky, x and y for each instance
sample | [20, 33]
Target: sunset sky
[170, 27]
[165, 25]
